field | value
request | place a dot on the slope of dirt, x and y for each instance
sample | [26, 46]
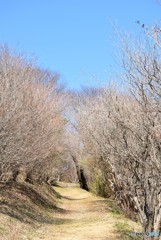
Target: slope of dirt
[26, 202]
[81, 216]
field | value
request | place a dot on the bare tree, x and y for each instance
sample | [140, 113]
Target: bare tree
[123, 130]
[31, 113]
[143, 72]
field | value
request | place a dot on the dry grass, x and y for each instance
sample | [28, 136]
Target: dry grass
[27, 202]
[81, 216]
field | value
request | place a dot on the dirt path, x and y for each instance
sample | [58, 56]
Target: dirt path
[84, 217]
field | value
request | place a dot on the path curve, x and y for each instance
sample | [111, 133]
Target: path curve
[83, 216]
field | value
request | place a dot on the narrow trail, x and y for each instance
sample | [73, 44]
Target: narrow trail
[83, 217]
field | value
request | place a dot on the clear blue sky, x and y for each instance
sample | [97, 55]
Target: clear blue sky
[73, 37]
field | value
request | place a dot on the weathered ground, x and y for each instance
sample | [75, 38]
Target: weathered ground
[82, 216]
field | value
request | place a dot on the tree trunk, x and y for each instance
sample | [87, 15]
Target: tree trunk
[152, 228]
[157, 220]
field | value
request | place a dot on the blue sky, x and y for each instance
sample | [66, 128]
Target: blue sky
[73, 37]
